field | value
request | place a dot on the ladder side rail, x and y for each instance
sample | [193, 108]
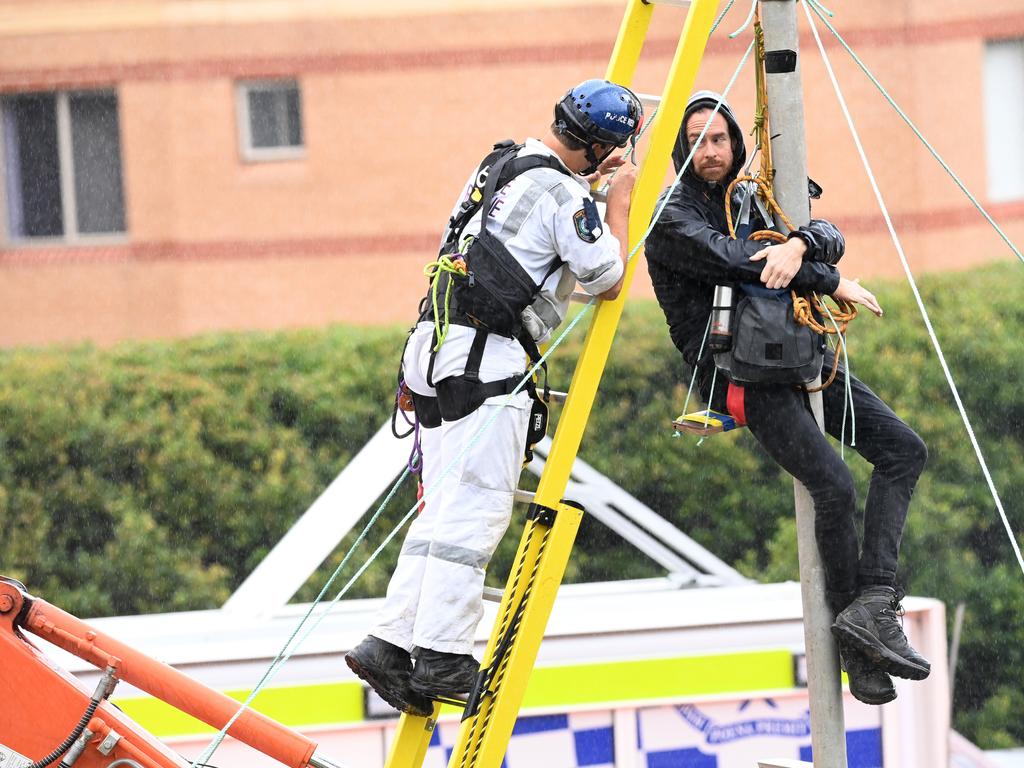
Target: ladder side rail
[484, 738]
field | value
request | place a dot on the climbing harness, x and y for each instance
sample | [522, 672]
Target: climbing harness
[479, 284]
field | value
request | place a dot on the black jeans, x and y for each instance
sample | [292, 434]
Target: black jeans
[781, 420]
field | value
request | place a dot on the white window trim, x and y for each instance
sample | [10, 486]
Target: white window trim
[249, 153]
[69, 202]
[1003, 73]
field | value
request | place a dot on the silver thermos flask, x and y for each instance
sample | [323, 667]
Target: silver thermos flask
[721, 319]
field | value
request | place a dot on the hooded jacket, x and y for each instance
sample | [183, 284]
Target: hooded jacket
[689, 251]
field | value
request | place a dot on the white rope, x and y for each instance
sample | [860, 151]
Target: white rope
[821, 11]
[917, 294]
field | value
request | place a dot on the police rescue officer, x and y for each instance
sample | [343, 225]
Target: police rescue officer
[688, 253]
[543, 234]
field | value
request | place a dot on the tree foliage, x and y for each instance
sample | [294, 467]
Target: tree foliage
[154, 477]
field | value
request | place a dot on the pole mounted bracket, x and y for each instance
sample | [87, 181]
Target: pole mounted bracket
[543, 515]
[780, 61]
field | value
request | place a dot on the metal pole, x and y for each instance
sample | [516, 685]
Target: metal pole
[786, 114]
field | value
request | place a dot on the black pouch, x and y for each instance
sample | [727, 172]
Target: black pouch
[457, 397]
[496, 289]
[769, 346]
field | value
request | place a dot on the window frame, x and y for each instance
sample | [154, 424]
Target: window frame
[1003, 180]
[247, 151]
[66, 166]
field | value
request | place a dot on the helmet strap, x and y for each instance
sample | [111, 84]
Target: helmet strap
[594, 160]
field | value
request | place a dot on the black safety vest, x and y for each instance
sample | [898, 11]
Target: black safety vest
[496, 289]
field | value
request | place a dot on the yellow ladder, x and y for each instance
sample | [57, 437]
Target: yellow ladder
[553, 522]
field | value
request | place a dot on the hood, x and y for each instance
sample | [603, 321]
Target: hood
[708, 100]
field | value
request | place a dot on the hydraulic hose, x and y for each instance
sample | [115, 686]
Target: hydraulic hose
[71, 739]
[103, 690]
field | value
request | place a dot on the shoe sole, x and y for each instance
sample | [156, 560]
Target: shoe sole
[881, 657]
[875, 702]
[364, 673]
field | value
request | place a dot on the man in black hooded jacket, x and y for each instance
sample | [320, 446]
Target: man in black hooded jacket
[689, 252]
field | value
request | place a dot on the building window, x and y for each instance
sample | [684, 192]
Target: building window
[1004, 119]
[270, 120]
[62, 165]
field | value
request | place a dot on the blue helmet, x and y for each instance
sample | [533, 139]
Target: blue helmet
[599, 111]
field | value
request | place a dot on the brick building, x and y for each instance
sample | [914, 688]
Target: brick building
[174, 166]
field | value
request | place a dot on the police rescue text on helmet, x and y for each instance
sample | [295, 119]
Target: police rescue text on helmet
[599, 112]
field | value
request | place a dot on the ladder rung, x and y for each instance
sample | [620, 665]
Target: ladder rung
[493, 594]
[649, 98]
[557, 397]
[599, 195]
[523, 497]
[677, 3]
[580, 297]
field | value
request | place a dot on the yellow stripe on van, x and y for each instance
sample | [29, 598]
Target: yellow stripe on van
[660, 678]
[614, 681]
[294, 706]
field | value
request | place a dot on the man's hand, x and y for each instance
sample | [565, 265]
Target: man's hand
[609, 165]
[622, 182]
[782, 262]
[617, 217]
[854, 292]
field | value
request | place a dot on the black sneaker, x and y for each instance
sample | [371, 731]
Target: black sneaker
[868, 683]
[443, 676]
[871, 625]
[386, 668]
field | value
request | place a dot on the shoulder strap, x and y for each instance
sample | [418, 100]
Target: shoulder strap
[471, 204]
[496, 170]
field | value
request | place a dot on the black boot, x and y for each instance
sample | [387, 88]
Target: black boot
[870, 624]
[867, 682]
[440, 675]
[386, 668]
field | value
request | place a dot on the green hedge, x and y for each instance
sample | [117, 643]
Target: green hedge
[153, 477]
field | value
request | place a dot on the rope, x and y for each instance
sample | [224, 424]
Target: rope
[762, 142]
[753, 11]
[721, 16]
[434, 270]
[806, 309]
[287, 652]
[648, 122]
[820, 10]
[917, 293]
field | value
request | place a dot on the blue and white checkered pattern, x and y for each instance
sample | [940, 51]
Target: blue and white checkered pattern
[713, 735]
[579, 739]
